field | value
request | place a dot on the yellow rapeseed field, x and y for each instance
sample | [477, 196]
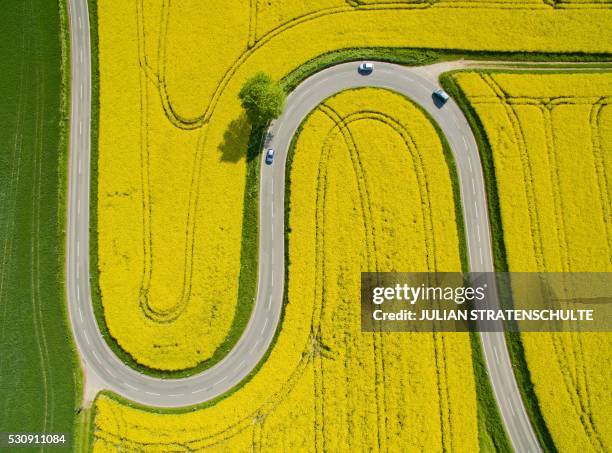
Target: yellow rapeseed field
[173, 136]
[551, 136]
[370, 191]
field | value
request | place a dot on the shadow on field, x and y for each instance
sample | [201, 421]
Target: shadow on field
[235, 140]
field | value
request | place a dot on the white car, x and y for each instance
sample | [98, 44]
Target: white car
[441, 95]
[365, 68]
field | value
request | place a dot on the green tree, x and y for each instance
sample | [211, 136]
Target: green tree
[262, 98]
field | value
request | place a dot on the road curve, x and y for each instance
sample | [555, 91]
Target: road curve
[103, 367]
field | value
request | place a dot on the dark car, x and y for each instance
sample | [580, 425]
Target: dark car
[269, 156]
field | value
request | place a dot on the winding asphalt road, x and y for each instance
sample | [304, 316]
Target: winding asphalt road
[103, 370]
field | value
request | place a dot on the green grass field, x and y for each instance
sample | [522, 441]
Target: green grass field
[39, 376]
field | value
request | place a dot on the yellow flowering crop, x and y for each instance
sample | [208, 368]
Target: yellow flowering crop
[370, 190]
[551, 136]
[173, 136]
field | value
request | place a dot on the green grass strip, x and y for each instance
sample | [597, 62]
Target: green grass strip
[513, 341]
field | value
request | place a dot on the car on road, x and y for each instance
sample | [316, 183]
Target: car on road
[269, 156]
[441, 95]
[365, 68]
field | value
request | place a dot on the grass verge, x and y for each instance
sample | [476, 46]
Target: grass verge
[492, 436]
[486, 158]
[62, 166]
[404, 56]
[417, 57]
[452, 170]
[513, 341]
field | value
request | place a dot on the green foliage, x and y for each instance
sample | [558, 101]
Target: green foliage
[492, 435]
[399, 55]
[263, 99]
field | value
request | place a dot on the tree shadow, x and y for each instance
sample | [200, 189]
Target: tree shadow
[236, 140]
